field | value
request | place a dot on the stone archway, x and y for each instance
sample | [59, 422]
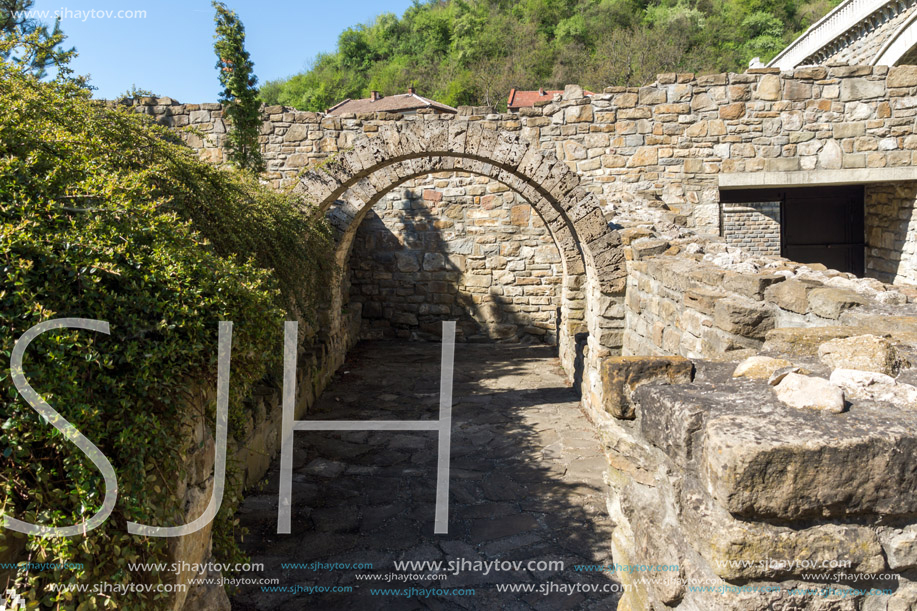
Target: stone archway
[347, 214]
[348, 185]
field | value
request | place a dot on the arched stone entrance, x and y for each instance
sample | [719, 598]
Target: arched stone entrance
[350, 184]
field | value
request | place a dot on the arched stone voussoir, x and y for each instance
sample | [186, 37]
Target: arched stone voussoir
[560, 181]
[404, 150]
[508, 150]
[419, 137]
[530, 162]
[319, 187]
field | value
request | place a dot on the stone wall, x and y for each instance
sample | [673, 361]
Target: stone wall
[692, 444]
[712, 302]
[666, 142]
[252, 451]
[773, 467]
[891, 232]
[667, 146]
[453, 246]
[753, 227]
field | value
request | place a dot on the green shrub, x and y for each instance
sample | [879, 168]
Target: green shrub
[104, 215]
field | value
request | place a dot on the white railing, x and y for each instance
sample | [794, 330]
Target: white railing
[847, 16]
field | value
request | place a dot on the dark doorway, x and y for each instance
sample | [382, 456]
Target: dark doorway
[817, 224]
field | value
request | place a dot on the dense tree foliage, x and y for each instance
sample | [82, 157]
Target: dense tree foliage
[475, 51]
[104, 215]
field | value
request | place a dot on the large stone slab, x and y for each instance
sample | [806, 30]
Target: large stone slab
[805, 341]
[742, 550]
[761, 459]
[777, 462]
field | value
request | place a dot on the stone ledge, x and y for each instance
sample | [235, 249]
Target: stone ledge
[744, 180]
[761, 459]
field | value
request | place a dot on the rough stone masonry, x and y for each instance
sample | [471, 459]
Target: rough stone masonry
[695, 349]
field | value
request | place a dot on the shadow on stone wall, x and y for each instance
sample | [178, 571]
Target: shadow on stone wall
[409, 282]
[891, 232]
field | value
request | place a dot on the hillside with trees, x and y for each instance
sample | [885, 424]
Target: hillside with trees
[475, 51]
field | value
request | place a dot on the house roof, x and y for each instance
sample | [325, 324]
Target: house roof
[391, 103]
[519, 98]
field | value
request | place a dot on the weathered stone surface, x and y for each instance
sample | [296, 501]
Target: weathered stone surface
[900, 546]
[902, 76]
[621, 375]
[759, 367]
[768, 87]
[874, 386]
[778, 376]
[806, 392]
[752, 286]
[831, 156]
[831, 302]
[805, 341]
[863, 352]
[804, 456]
[732, 111]
[674, 420]
[741, 550]
[743, 317]
[407, 262]
[792, 295]
[861, 89]
[643, 249]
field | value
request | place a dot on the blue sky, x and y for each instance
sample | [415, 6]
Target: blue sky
[170, 52]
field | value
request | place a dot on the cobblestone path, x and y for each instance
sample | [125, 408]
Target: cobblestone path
[526, 485]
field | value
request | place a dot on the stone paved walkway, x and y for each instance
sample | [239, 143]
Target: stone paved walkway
[526, 484]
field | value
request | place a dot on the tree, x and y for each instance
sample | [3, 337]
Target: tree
[36, 47]
[239, 96]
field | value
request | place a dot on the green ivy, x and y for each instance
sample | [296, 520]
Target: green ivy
[104, 215]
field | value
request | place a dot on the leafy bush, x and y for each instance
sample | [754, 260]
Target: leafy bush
[104, 215]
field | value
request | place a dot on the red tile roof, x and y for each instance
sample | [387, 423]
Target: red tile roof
[521, 99]
[404, 102]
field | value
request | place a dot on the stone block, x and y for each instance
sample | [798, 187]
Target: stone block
[871, 386]
[645, 155]
[862, 352]
[743, 317]
[900, 546]
[621, 375]
[861, 89]
[296, 133]
[652, 95]
[477, 280]
[831, 302]
[578, 114]
[759, 367]
[805, 392]
[792, 295]
[407, 262]
[797, 90]
[701, 300]
[804, 456]
[433, 261]
[768, 88]
[646, 248]
[732, 111]
[805, 341]
[741, 550]
[752, 286]
[901, 76]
